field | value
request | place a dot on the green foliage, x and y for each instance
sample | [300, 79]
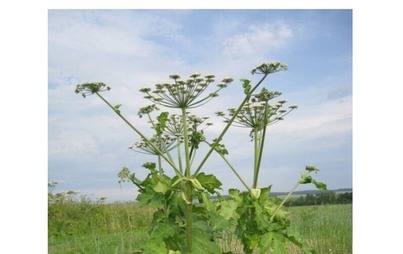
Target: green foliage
[251, 215]
[246, 86]
[162, 120]
[220, 148]
[209, 182]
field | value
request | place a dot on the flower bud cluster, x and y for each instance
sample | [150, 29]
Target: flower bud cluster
[163, 143]
[147, 110]
[184, 93]
[271, 67]
[174, 125]
[311, 168]
[91, 88]
[173, 132]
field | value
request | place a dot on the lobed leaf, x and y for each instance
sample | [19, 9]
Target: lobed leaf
[228, 209]
[209, 182]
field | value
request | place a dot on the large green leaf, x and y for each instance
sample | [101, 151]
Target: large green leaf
[273, 241]
[161, 187]
[218, 224]
[162, 231]
[235, 194]
[209, 182]
[154, 247]
[265, 192]
[228, 209]
[203, 244]
[208, 204]
[150, 197]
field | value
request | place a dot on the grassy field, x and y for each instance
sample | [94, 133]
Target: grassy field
[327, 229]
[84, 227]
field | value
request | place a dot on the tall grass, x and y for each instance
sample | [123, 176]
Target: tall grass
[94, 227]
[327, 229]
[98, 228]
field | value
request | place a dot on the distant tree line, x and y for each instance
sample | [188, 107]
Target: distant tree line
[323, 198]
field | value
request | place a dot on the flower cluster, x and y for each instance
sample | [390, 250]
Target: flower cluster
[163, 143]
[173, 132]
[258, 112]
[91, 88]
[147, 110]
[174, 125]
[272, 67]
[184, 94]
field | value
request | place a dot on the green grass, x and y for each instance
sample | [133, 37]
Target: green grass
[96, 228]
[327, 229]
[118, 243]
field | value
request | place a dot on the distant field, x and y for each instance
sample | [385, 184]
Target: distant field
[119, 228]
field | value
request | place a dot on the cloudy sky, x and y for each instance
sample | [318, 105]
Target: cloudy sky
[129, 49]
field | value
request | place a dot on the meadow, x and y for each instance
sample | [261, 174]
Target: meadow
[86, 226]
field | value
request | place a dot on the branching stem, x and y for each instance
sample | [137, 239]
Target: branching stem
[229, 124]
[142, 136]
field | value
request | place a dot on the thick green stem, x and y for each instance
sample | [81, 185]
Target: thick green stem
[186, 142]
[256, 156]
[189, 222]
[189, 187]
[261, 147]
[142, 136]
[228, 125]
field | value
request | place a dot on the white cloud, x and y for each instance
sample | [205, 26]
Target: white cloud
[258, 38]
[115, 47]
[326, 118]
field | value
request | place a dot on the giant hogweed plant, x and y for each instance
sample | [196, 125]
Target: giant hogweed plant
[186, 219]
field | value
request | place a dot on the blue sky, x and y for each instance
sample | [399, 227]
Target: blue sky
[129, 49]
